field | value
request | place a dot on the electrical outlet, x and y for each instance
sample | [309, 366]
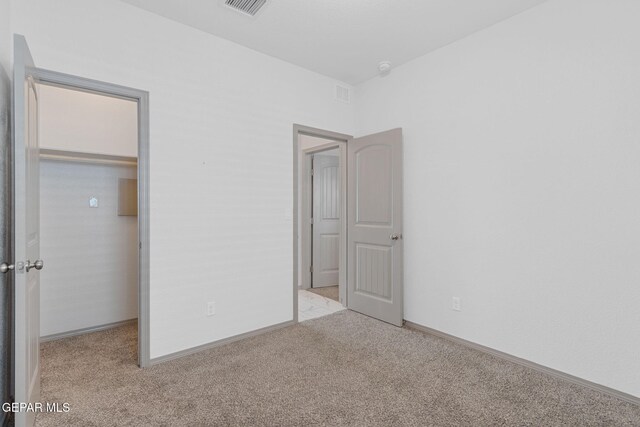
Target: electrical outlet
[455, 304]
[211, 308]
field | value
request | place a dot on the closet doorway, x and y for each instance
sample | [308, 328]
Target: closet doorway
[88, 212]
[94, 165]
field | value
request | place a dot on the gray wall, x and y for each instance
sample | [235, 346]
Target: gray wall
[91, 254]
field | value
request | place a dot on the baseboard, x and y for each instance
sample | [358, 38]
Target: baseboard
[88, 330]
[528, 364]
[221, 342]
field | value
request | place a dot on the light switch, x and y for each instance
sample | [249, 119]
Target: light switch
[93, 202]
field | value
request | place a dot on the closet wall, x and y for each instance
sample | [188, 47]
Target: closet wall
[83, 122]
[90, 253]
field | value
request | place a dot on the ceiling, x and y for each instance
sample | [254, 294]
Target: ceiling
[343, 39]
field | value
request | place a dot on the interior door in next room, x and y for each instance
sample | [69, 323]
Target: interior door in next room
[326, 220]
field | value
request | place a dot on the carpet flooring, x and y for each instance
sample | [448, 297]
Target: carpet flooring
[341, 369]
[330, 292]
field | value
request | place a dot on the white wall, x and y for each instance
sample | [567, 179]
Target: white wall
[88, 123]
[91, 273]
[521, 186]
[221, 170]
[5, 35]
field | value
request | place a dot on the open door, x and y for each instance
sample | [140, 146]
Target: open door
[326, 220]
[26, 232]
[374, 230]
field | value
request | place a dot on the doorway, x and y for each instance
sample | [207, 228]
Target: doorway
[369, 238]
[320, 222]
[88, 212]
[322, 219]
[325, 222]
[48, 78]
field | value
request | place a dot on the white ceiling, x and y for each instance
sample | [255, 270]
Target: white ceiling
[343, 39]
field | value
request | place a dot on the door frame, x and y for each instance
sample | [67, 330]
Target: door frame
[337, 140]
[67, 81]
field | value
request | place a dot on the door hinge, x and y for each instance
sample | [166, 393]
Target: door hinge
[311, 269]
[312, 172]
[311, 221]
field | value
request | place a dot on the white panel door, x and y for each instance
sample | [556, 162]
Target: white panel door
[374, 256]
[326, 220]
[26, 233]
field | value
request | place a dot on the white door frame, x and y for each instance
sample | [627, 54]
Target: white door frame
[336, 140]
[141, 97]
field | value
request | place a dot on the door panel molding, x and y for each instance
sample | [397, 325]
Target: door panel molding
[374, 271]
[373, 162]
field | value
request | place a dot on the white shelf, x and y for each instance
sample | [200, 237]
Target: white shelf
[79, 157]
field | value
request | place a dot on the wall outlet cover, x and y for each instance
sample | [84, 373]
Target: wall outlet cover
[211, 308]
[455, 304]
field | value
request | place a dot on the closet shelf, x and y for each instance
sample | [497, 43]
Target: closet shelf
[79, 157]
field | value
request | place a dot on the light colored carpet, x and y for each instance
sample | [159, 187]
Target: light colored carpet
[330, 292]
[341, 369]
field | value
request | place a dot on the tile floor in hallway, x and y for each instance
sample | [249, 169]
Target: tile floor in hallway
[312, 306]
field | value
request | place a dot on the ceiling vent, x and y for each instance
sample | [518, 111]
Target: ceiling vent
[343, 94]
[248, 7]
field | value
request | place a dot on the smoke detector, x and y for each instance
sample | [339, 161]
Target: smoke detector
[384, 68]
[248, 7]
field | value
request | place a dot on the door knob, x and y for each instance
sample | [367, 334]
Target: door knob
[37, 265]
[5, 267]
[395, 236]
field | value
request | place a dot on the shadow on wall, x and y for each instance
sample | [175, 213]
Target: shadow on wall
[5, 255]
